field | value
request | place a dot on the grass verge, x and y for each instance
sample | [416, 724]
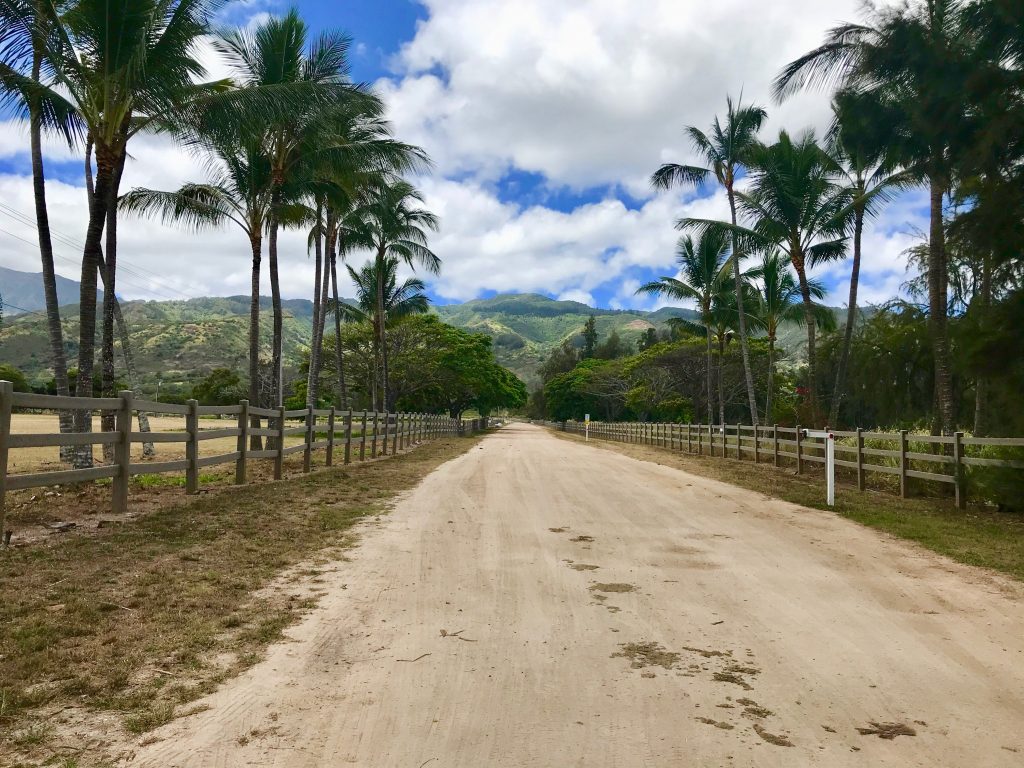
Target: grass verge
[115, 631]
[981, 536]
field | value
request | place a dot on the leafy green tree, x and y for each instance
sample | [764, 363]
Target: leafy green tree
[647, 339]
[703, 278]
[400, 300]
[221, 386]
[15, 376]
[726, 152]
[611, 348]
[589, 337]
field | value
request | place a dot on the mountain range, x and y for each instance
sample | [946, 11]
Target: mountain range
[176, 341]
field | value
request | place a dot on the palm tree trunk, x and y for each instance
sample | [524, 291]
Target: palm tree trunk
[91, 255]
[981, 383]
[322, 322]
[938, 281]
[381, 338]
[256, 244]
[771, 377]
[338, 352]
[812, 370]
[313, 376]
[711, 413]
[108, 271]
[277, 361]
[748, 373]
[851, 318]
[55, 332]
[721, 390]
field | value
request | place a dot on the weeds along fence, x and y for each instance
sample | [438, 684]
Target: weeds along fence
[962, 462]
[356, 435]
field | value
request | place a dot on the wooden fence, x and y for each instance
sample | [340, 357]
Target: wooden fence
[927, 458]
[353, 433]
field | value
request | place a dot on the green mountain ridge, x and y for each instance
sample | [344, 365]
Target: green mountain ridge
[177, 341]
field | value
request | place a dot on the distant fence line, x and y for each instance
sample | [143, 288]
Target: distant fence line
[336, 432]
[771, 444]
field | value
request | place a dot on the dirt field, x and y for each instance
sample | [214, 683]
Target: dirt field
[538, 602]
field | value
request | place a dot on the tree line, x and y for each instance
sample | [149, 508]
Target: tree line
[926, 94]
[289, 139]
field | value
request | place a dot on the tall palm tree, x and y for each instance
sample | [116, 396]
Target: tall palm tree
[392, 225]
[871, 180]
[793, 204]
[905, 70]
[25, 40]
[725, 152]
[704, 278]
[400, 299]
[779, 303]
[277, 53]
[237, 191]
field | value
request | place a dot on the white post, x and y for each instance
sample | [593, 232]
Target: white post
[586, 428]
[830, 461]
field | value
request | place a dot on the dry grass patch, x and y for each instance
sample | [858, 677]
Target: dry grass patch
[136, 619]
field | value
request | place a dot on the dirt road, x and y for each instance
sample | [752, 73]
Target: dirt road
[542, 603]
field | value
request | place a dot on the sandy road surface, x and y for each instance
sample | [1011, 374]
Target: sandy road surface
[825, 624]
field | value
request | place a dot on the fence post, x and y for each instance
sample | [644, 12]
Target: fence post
[903, 463]
[307, 453]
[373, 442]
[757, 446]
[739, 443]
[775, 444]
[398, 433]
[192, 448]
[6, 396]
[362, 441]
[348, 437]
[799, 455]
[958, 471]
[860, 459]
[330, 438]
[122, 452]
[387, 427]
[279, 458]
[689, 441]
[243, 442]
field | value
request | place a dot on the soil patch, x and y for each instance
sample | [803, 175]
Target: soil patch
[647, 654]
[582, 538]
[771, 738]
[613, 587]
[887, 730]
[717, 723]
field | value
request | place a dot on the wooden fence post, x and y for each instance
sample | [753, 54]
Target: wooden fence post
[279, 458]
[775, 444]
[739, 443]
[307, 453]
[689, 440]
[192, 448]
[362, 441]
[903, 463]
[958, 471]
[387, 425]
[398, 433]
[348, 437]
[860, 459]
[6, 396]
[243, 442]
[373, 442]
[329, 459]
[122, 453]
[799, 455]
[757, 446]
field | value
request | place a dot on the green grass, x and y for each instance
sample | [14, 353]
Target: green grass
[141, 618]
[982, 535]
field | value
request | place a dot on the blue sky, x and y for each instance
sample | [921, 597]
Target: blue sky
[544, 121]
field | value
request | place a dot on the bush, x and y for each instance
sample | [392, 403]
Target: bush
[15, 376]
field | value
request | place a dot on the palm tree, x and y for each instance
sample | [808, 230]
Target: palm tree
[400, 299]
[275, 54]
[391, 224]
[24, 36]
[794, 205]
[725, 152]
[870, 180]
[904, 70]
[703, 278]
[238, 192]
[778, 303]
